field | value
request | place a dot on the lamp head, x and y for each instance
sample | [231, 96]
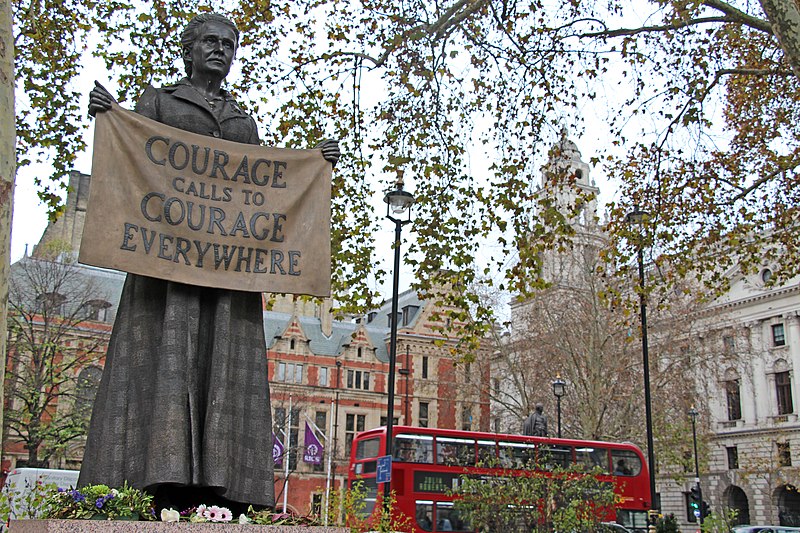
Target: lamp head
[559, 387]
[398, 201]
[637, 216]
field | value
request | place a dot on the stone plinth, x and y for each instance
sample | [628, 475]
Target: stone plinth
[113, 526]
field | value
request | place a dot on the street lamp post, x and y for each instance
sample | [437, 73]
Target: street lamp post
[637, 217]
[559, 388]
[398, 210]
[693, 415]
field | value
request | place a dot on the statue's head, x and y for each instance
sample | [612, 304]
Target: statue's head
[192, 31]
[539, 408]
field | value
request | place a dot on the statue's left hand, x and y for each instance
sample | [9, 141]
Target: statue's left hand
[330, 150]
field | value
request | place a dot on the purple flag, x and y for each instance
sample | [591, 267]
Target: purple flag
[277, 450]
[314, 448]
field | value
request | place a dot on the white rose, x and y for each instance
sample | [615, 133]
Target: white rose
[170, 515]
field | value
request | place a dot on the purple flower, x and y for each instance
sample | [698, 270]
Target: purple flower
[99, 503]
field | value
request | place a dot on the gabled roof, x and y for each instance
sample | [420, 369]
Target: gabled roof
[107, 284]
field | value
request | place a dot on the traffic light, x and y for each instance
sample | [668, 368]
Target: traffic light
[695, 501]
[705, 510]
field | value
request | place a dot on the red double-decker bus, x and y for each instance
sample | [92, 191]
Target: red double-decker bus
[427, 464]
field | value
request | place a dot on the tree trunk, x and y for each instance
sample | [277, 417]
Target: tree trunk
[784, 16]
[8, 139]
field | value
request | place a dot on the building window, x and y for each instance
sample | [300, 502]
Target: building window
[496, 387]
[360, 351]
[316, 502]
[353, 423]
[729, 343]
[408, 313]
[395, 421]
[289, 372]
[389, 318]
[291, 344]
[279, 427]
[734, 399]
[496, 424]
[778, 336]
[784, 454]
[467, 373]
[323, 376]
[424, 367]
[466, 419]
[356, 379]
[783, 388]
[97, 310]
[733, 457]
[423, 415]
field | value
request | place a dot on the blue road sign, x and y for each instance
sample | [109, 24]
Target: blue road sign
[384, 473]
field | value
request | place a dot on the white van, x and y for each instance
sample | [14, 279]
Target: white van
[21, 481]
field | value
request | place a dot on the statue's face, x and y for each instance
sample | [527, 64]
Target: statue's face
[213, 51]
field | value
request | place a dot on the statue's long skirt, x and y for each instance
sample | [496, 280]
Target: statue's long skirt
[184, 397]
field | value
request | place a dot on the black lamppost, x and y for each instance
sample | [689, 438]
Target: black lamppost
[559, 388]
[636, 217]
[398, 210]
[693, 415]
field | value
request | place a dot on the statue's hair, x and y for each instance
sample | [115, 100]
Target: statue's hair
[189, 35]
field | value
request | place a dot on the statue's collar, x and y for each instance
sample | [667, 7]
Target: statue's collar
[184, 83]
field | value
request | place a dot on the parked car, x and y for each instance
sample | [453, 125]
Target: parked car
[765, 529]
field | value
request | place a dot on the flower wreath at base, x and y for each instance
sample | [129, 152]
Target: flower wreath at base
[128, 503]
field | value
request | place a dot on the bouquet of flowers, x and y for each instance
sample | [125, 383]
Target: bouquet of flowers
[100, 502]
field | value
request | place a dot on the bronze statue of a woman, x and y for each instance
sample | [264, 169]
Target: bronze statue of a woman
[183, 407]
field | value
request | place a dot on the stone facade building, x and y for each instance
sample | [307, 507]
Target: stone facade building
[748, 420]
[747, 392]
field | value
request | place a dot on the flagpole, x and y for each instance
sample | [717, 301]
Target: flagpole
[288, 438]
[330, 462]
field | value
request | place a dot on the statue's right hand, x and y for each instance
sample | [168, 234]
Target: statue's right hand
[100, 99]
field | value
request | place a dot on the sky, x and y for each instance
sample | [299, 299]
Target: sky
[30, 216]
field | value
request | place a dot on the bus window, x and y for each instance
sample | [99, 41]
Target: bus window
[447, 518]
[590, 457]
[425, 515]
[368, 448]
[413, 448]
[633, 520]
[455, 452]
[367, 467]
[626, 463]
[555, 456]
[487, 454]
[516, 454]
[369, 487]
